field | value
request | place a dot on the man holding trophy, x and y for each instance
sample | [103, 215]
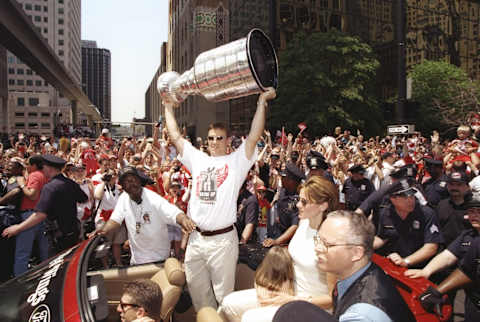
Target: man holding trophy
[212, 249]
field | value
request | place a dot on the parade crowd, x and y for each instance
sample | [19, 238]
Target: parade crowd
[322, 205]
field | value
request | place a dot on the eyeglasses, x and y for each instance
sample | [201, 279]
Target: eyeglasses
[323, 246]
[218, 138]
[123, 305]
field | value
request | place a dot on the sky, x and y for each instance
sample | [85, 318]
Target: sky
[133, 31]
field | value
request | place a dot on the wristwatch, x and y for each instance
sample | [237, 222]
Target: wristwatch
[22, 186]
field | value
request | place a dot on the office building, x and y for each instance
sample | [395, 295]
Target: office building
[34, 106]
[96, 77]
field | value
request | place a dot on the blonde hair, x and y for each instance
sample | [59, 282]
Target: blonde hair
[275, 273]
[318, 190]
[463, 128]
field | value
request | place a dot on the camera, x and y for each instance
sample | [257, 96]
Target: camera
[107, 177]
[176, 168]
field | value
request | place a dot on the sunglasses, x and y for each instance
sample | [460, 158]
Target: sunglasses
[123, 305]
[212, 138]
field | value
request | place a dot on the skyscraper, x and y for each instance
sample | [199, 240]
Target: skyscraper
[96, 76]
[34, 106]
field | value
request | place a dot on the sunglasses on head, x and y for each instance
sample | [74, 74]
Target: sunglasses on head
[218, 138]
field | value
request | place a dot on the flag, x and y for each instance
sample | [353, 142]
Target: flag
[284, 137]
[302, 126]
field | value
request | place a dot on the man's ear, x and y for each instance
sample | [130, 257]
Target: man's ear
[141, 312]
[358, 253]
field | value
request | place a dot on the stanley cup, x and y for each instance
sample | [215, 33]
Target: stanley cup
[240, 68]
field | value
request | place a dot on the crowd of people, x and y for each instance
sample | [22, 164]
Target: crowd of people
[332, 201]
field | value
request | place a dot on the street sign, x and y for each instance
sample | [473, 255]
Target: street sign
[400, 129]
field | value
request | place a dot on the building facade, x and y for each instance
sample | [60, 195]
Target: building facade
[3, 88]
[96, 77]
[58, 21]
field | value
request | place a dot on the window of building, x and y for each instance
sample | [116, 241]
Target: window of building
[32, 114]
[11, 82]
[60, 31]
[60, 52]
[32, 125]
[11, 70]
[60, 21]
[28, 6]
[20, 101]
[19, 114]
[37, 18]
[60, 10]
[38, 83]
[20, 71]
[45, 125]
[60, 1]
[38, 7]
[19, 125]
[45, 83]
[29, 82]
[45, 19]
[29, 71]
[60, 42]
[45, 114]
[45, 8]
[11, 60]
[45, 30]
[33, 101]
[20, 82]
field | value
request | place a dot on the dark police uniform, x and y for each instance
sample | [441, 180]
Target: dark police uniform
[451, 219]
[356, 191]
[58, 199]
[247, 213]
[407, 236]
[284, 212]
[436, 190]
[470, 266]
[315, 160]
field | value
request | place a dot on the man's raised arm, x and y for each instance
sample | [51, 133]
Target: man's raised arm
[258, 122]
[172, 127]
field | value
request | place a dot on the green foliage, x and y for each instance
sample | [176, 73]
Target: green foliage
[445, 94]
[327, 80]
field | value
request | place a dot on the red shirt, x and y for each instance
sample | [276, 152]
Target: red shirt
[36, 180]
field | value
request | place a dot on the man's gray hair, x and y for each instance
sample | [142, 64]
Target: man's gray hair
[361, 230]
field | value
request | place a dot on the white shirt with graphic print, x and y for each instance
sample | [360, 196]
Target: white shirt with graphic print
[215, 186]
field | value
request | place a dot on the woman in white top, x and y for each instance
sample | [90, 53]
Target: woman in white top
[317, 198]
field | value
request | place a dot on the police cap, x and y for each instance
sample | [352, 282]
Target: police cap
[407, 171]
[402, 188]
[357, 169]
[292, 171]
[315, 160]
[433, 162]
[53, 161]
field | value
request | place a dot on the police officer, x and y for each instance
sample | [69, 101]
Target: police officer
[408, 233]
[455, 252]
[247, 215]
[451, 211]
[356, 188]
[285, 212]
[58, 202]
[318, 166]
[436, 187]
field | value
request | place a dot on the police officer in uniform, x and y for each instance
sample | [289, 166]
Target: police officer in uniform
[408, 233]
[436, 187]
[356, 188]
[57, 203]
[318, 166]
[283, 220]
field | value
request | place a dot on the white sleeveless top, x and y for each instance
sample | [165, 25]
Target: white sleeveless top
[309, 280]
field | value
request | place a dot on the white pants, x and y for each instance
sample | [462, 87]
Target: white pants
[210, 265]
[243, 306]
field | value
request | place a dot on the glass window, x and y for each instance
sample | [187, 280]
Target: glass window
[37, 18]
[45, 114]
[29, 72]
[29, 82]
[19, 114]
[28, 6]
[60, 10]
[20, 101]
[60, 21]
[45, 19]
[45, 8]
[60, 42]
[60, 52]
[19, 125]
[20, 82]
[11, 82]
[33, 125]
[11, 70]
[33, 114]
[11, 60]
[45, 30]
[60, 31]
[38, 7]
[20, 71]
[33, 101]
[60, 1]
[45, 125]
[38, 83]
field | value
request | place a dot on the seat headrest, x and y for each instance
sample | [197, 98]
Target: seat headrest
[174, 272]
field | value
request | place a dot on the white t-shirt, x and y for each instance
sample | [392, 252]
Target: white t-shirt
[151, 243]
[309, 280]
[215, 186]
[108, 202]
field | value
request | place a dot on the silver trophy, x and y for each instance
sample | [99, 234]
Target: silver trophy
[240, 68]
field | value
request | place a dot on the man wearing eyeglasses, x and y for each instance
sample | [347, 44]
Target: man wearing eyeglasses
[212, 249]
[344, 246]
[140, 302]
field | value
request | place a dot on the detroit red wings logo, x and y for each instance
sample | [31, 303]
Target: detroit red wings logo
[209, 181]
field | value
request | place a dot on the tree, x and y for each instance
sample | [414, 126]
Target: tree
[327, 80]
[446, 96]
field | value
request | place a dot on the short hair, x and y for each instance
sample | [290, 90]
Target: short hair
[147, 294]
[276, 273]
[318, 190]
[361, 230]
[219, 126]
[464, 128]
[37, 161]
